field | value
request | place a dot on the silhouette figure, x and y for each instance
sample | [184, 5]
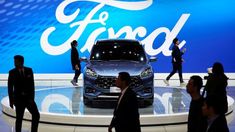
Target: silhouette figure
[216, 84]
[196, 121]
[21, 93]
[126, 114]
[216, 122]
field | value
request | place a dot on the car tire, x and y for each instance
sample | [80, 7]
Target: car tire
[86, 101]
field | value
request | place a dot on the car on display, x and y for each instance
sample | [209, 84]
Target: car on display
[109, 57]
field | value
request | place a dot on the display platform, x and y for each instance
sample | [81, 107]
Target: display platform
[64, 106]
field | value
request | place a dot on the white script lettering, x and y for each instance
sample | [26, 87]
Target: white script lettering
[131, 33]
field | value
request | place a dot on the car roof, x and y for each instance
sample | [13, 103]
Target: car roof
[115, 40]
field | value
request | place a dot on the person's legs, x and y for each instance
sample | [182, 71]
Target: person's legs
[32, 107]
[77, 74]
[180, 73]
[172, 72]
[20, 107]
[75, 78]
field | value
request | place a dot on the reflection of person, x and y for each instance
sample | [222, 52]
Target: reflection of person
[126, 114]
[176, 62]
[75, 62]
[196, 120]
[21, 93]
[216, 85]
[176, 100]
[75, 100]
[216, 122]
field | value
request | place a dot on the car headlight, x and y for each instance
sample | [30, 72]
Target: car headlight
[91, 73]
[147, 72]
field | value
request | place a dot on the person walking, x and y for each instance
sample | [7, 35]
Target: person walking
[126, 114]
[21, 91]
[176, 62]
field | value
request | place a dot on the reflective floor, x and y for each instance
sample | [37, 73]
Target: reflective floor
[68, 101]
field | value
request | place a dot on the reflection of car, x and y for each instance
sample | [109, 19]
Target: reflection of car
[107, 59]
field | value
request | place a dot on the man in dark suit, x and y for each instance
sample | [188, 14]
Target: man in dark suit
[21, 93]
[216, 121]
[176, 62]
[75, 62]
[126, 114]
[196, 121]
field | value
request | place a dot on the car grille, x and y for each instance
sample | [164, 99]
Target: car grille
[107, 82]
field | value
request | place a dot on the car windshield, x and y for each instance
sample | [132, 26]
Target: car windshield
[118, 50]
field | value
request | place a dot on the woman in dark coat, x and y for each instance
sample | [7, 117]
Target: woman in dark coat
[75, 61]
[216, 85]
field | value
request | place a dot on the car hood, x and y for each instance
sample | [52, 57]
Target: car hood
[112, 68]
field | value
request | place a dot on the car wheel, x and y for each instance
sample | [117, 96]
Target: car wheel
[86, 101]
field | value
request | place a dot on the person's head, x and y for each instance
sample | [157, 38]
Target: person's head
[176, 41]
[74, 43]
[211, 106]
[194, 85]
[218, 68]
[18, 61]
[123, 80]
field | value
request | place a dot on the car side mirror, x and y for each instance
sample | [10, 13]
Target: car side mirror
[84, 59]
[152, 59]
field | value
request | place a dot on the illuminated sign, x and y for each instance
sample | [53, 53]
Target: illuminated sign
[103, 16]
[41, 31]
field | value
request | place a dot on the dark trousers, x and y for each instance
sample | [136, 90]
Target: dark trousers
[32, 108]
[77, 74]
[176, 67]
[128, 128]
